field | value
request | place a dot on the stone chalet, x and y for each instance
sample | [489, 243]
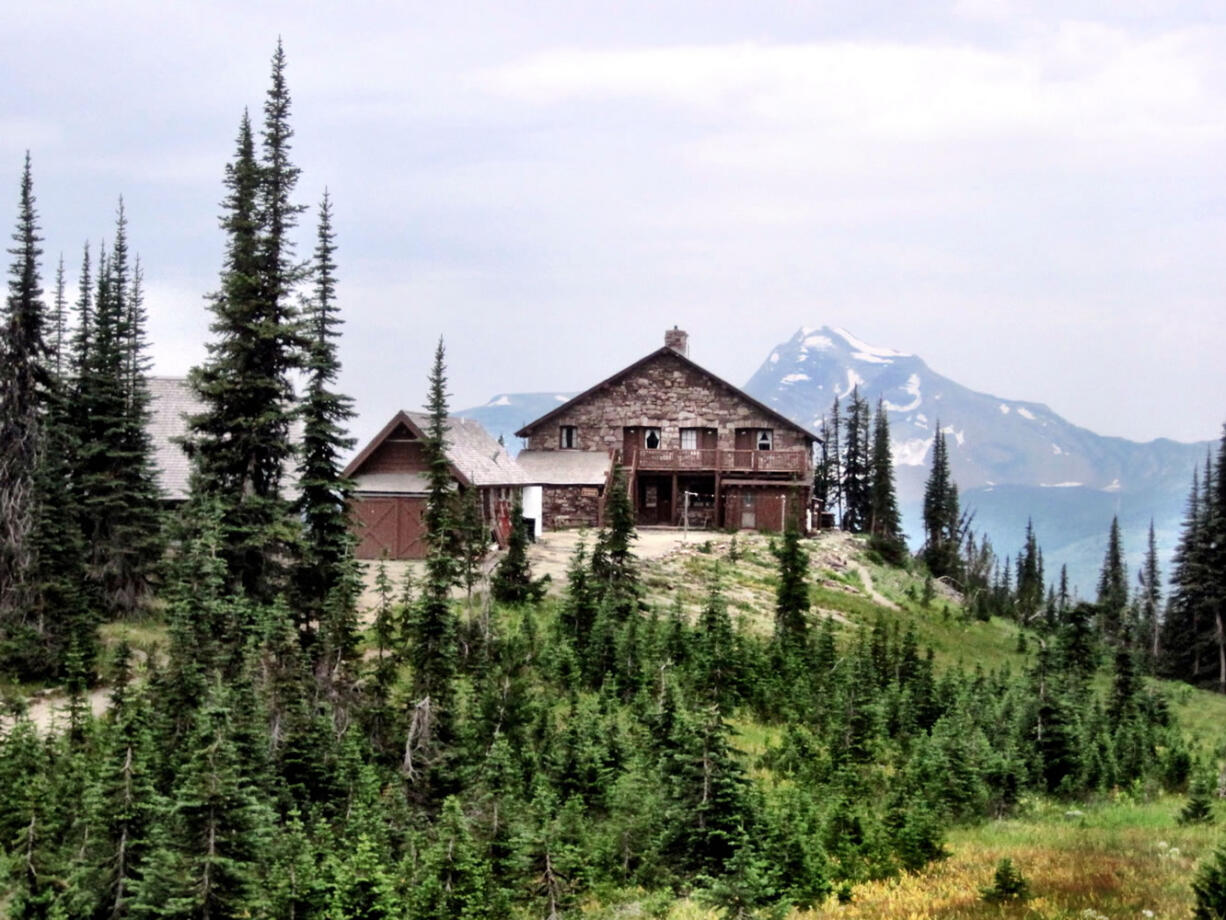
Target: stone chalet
[690, 444]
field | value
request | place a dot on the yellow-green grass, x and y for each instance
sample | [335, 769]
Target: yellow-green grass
[1114, 859]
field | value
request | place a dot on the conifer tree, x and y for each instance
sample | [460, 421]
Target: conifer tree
[835, 494]
[792, 595]
[1216, 561]
[471, 537]
[714, 656]
[513, 582]
[1029, 577]
[433, 630]
[1113, 586]
[23, 387]
[614, 566]
[240, 443]
[60, 601]
[942, 518]
[823, 470]
[857, 474]
[114, 483]
[325, 570]
[885, 524]
[206, 861]
[1185, 640]
[1150, 600]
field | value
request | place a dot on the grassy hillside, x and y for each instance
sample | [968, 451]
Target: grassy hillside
[1123, 856]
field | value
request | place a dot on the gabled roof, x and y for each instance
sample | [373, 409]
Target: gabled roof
[476, 459]
[171, 401]
[667, 350]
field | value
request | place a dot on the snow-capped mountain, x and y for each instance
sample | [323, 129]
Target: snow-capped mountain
[1012, 459]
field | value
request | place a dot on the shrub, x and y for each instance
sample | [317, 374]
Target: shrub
[1008, 886]
[1209, 887]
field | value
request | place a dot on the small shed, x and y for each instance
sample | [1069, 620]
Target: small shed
[391, 485]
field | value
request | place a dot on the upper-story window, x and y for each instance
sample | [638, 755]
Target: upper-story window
[651, 438]
[568, 436]
[766, 438]
[689, 439]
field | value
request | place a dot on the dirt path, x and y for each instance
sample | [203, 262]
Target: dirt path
[551, 554]
[49, 710]
[866, 577]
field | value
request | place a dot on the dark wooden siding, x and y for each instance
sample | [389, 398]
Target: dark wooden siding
[390, 524]
[395, 456]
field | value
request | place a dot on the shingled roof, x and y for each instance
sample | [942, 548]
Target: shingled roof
[477, 457]
[565, 467]
[671, 352]
[171, 401]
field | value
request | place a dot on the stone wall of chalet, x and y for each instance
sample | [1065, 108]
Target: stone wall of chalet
[570, 506]
[664, 393]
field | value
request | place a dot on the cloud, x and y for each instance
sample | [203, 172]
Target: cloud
[1075, 78]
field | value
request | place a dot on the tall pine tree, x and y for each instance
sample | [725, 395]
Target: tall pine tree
[434, 630]
[240, 444]
[856, 469]
[1113, 587]
[885, 524]
[325, 573]
[942, 517]
[23, 388]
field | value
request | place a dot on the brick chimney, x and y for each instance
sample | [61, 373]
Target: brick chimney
[678, 340]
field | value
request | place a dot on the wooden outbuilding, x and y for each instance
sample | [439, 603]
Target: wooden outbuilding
[390, 476]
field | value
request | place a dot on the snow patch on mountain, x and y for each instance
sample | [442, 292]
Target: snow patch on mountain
[794, 378]
[1055, 449]
[1114, 487]
[562, 398]
[910, 453]
[871, 354]
[820, 342]
[853, 380]
[1004, 410]
[1060, 485]
[774, 357]
[1026, 414]
[503, 400]
[912, 387]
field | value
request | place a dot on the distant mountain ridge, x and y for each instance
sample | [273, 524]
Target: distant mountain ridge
[1012, 459]
[506, 413]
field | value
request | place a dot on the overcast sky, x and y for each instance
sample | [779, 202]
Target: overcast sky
[1030, 196]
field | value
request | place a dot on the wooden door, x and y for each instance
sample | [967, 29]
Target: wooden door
[745, 438]
[708, 439]
[749, 517]
[630, 443]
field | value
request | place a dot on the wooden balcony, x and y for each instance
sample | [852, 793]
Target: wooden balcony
[722, 460]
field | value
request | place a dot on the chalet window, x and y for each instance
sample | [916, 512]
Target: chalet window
[651, 438]
[765, 438]
[568, 436]
[689, 439]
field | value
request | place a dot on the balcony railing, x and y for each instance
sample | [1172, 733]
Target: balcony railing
[722, 459]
